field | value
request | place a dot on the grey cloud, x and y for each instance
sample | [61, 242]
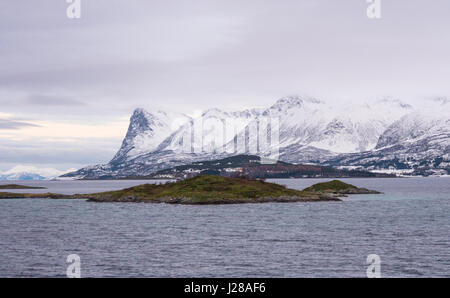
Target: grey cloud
[187, 54]
[12, 124]
[197, 54]
[52, 100]
[37, 151]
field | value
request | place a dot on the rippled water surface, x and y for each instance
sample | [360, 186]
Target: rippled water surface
[407, 226]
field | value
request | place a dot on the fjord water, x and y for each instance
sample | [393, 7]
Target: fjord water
[407, 226]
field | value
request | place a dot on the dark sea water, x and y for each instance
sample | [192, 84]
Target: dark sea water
[408, 227]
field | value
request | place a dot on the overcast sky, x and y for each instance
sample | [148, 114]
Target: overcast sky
[68, 86]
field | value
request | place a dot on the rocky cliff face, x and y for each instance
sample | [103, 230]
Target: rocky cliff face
[145, 132]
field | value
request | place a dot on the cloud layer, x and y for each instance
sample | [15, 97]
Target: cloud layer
[61, 74]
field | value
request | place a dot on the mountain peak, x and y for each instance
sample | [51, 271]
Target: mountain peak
[26, 172]
[442, 100]
[139, 111]
[214, 112]
[296, 100]
[395, 101]
[139, 121]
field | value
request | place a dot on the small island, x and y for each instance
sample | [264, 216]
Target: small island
[13, 195]
[208, 189]
[338, 187]
[17, 186]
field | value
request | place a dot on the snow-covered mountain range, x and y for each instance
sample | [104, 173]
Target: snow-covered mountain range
[382, 136]
[21, 172]
[417, 143]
